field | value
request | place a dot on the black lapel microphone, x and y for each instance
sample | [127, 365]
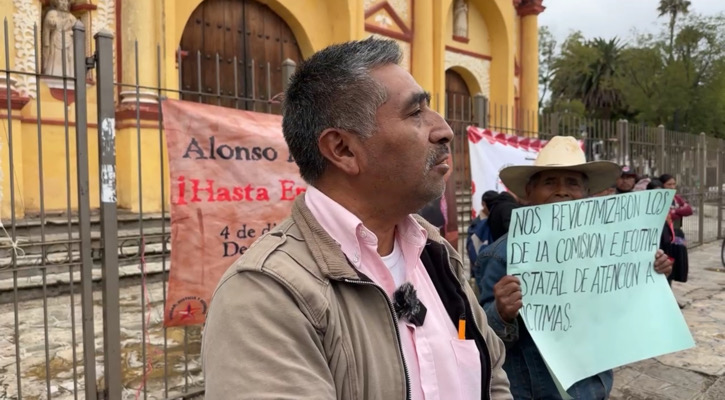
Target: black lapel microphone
[407, 305]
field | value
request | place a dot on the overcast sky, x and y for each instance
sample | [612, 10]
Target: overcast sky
[608, 18]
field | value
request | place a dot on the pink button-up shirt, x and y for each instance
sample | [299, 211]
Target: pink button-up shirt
[440, 365]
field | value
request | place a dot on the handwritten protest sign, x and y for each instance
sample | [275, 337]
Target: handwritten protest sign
[591, 298]
[232, 180]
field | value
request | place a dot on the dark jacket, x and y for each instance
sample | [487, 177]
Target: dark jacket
[525, 367]
[499, 216]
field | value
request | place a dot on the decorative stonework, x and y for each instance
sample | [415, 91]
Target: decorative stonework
[478, 67]
[105, 18]
[530, 7]
[384, 20]
[401, 7]
[25, 18]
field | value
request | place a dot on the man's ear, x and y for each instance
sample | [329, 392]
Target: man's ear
[341, 149]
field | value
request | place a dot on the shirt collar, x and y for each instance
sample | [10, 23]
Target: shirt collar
[348, 230]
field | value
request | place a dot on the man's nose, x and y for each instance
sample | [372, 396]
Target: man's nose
[560, 189]
[440, 130]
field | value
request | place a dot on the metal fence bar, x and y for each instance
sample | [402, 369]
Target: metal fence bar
[109, 221]
[162, 179]
[719, 182]
[701, 201]
[84, 211]
[139, 165]
[13, 233]
[69, 254]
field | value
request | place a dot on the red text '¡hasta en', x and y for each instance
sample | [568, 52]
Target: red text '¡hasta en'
[207, 191]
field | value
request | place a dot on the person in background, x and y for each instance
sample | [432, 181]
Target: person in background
[433, 213]
[670, 245]
[680, 208]
[499, 219]
[627, 179]
[560, 173]
[499, 215]
[642, 183]
[479, 234]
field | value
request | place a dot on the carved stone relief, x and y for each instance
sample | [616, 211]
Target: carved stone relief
[57, 39]
[25, 18]
[460, 19]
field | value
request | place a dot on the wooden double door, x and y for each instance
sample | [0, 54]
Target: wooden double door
[232, 53]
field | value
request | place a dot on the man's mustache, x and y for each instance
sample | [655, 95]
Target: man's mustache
[435, 157]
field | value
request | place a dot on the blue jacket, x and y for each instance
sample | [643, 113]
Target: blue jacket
[479, 236]
[530, 379]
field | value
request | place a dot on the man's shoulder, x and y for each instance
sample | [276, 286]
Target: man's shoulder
[283, 255]
[497, 248]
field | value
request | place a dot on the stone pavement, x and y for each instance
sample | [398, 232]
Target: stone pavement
[49, 367]
[697, 373]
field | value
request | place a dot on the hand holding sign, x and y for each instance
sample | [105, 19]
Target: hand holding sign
[663, 263]
[593, 282]
[508, 297]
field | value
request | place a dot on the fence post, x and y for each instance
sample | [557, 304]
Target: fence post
[480, 110]
[718, 179]
[701, 202]
[84, 210]
[661, 145]
[623, 141]
[554, 128]
[109, 223]
[288, 69]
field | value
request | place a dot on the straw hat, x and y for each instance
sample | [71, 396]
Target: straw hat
[561, 153]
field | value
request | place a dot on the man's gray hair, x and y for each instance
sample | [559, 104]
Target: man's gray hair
[334, 89]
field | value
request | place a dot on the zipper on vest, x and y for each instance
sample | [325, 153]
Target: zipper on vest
[395, 325]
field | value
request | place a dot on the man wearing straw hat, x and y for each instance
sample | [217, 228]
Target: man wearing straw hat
[560, 173]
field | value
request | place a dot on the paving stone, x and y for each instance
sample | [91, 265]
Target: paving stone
[679, 377]
[645, 385]
[716, 391]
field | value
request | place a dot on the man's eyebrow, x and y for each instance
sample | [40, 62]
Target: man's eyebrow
[417, 98]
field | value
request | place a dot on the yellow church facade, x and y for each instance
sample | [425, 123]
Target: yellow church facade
[234, 48]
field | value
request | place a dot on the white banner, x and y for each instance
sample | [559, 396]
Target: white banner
[490, 152]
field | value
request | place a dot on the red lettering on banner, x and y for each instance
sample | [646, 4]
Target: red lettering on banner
[289, 191]
[232, 180]
[212, 193]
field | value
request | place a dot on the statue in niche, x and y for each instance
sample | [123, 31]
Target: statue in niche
[460, 19]
[57, 25]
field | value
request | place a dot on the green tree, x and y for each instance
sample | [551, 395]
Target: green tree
[547, 56]
[673, 8]
[586, 70]
[685, 92]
